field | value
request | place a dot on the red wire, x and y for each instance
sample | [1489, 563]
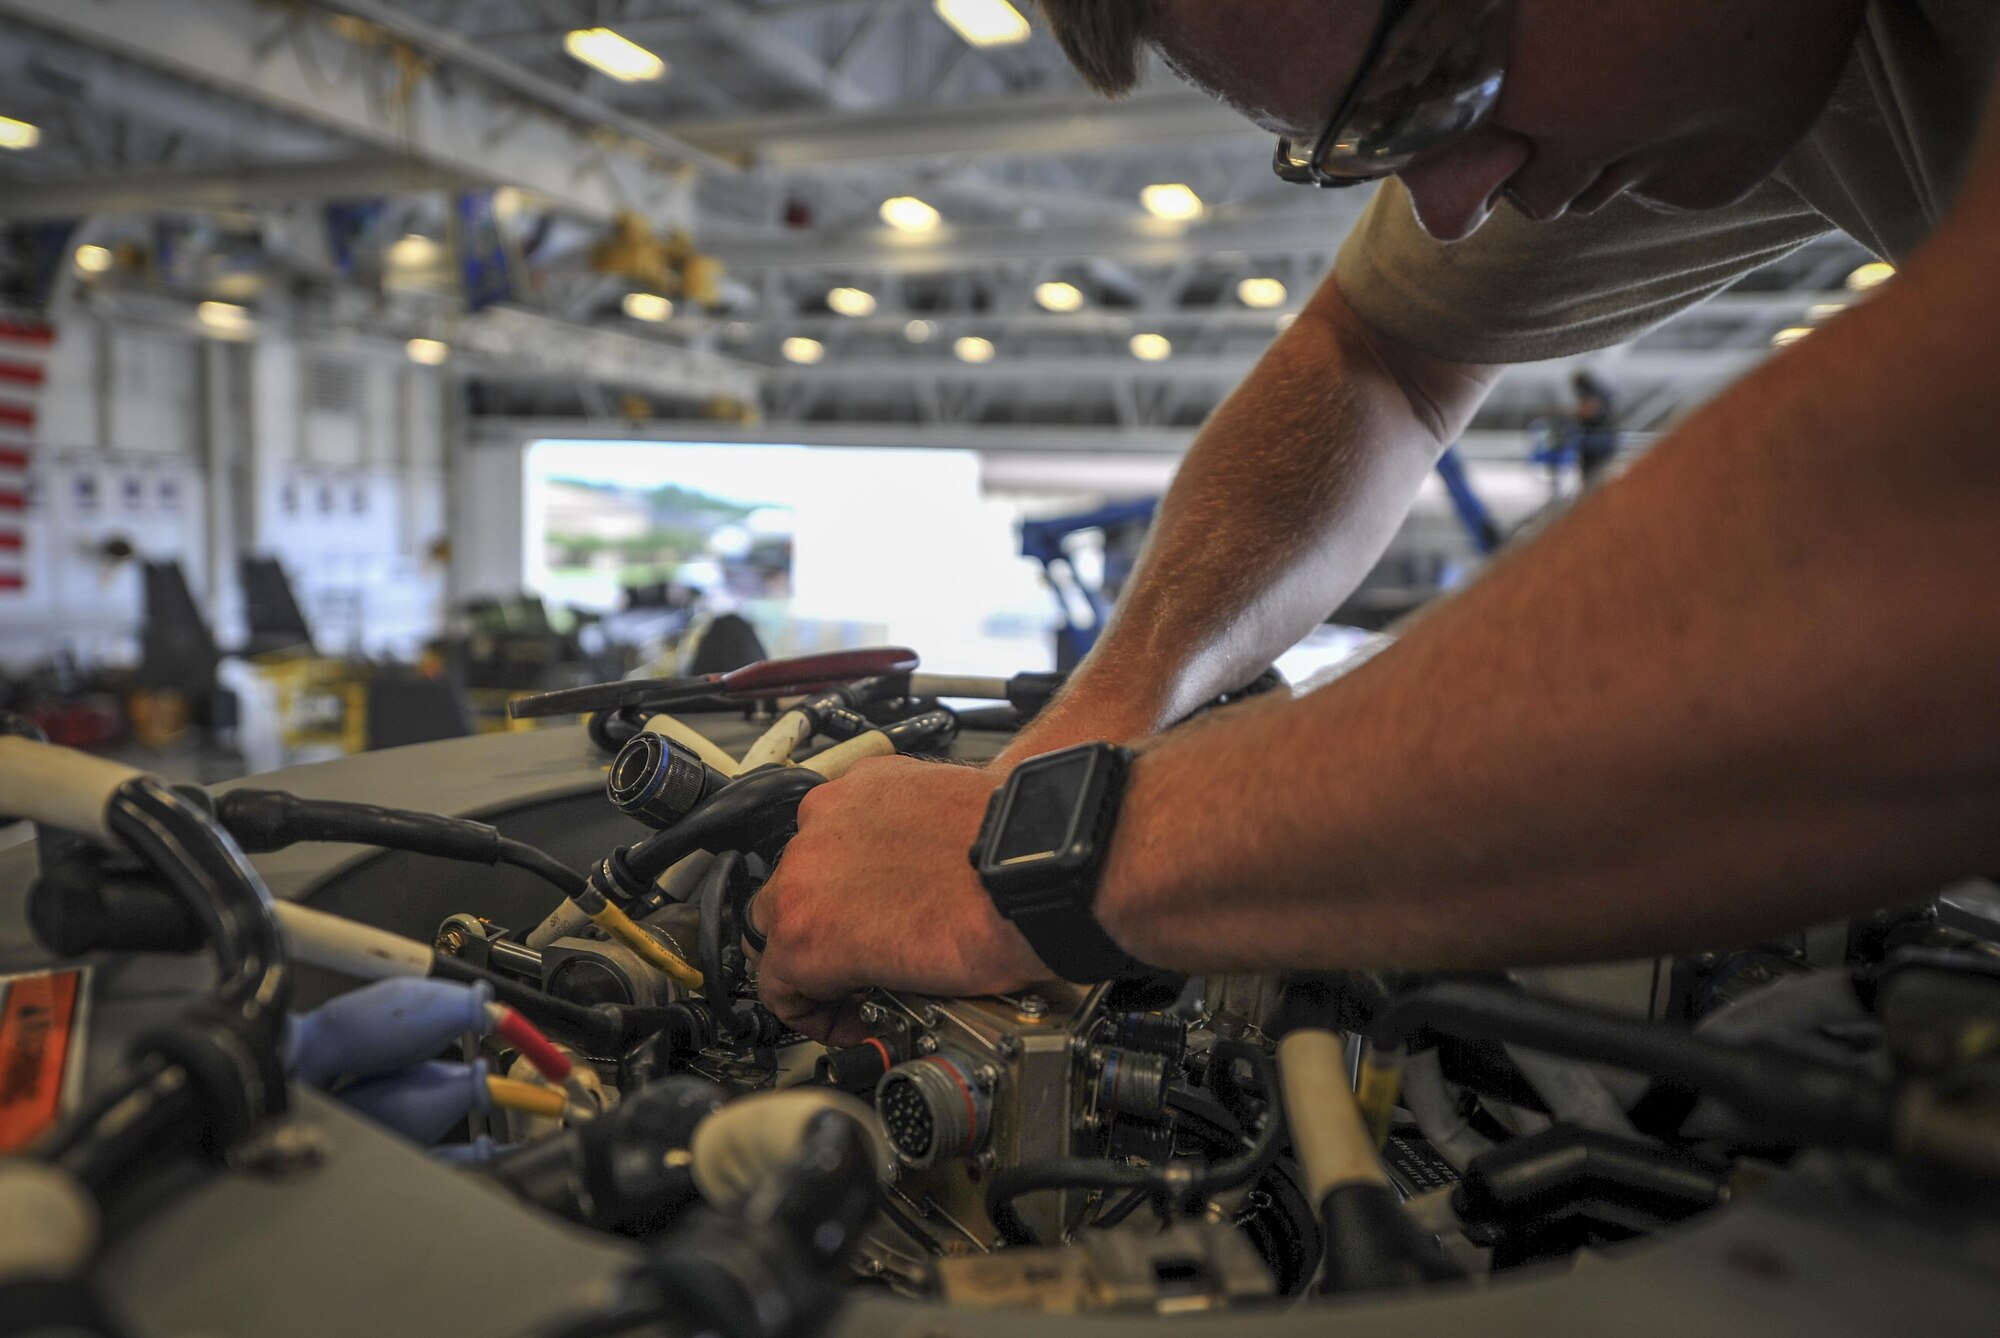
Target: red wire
[536, 1048]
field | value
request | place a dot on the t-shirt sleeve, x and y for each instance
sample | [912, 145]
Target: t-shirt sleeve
[1520, 291]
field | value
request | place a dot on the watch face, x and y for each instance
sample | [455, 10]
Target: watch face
[1041, 816]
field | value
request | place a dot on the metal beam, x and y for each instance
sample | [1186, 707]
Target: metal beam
[1622, 364]
[1138, 443]
[345, 178]
[1137, 241]
[250, 51]
[515, 343]
[988, 127]
[580, 107]
[926, 436]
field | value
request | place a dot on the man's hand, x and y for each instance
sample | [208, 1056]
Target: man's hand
[875, 890]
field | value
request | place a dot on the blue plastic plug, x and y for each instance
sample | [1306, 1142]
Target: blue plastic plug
[388, 1025]
[424, 1102]
[478, 1152]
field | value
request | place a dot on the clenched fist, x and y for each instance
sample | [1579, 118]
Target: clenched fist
[875, 890]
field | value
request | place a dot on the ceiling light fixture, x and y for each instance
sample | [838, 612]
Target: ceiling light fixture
[920, 331]
[620, 57]
[428, 352]
[412, 251]
[647, 307]
[18, 134]
[983, 22]
[224, 319]
[803, 351]
[94, 259]
[1261, 293]
[1059, 297]
[1151, 347]
[973, 349]
[851, 302]
[906, 213]
[1172, 201]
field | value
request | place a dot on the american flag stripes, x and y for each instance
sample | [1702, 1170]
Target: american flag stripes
[24, 356]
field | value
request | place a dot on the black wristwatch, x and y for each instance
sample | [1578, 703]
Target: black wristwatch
[1042, 847]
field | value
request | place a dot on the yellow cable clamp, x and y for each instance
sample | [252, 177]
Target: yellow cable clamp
[650, 950]
[527, 1097]
[1380, 1088]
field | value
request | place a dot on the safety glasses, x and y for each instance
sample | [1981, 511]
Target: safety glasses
[1432, 71]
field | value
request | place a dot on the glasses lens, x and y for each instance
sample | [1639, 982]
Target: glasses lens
[1439, 76]
[1290, 163]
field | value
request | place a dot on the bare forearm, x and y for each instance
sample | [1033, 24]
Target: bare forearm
[1751, 685]
[1285, 501]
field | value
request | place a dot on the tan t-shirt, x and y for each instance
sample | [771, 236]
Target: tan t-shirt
[1882, 164]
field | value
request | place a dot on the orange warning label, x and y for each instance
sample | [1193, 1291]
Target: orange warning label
[36, 1021]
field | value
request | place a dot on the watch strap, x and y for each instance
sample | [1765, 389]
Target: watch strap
[1071, 941]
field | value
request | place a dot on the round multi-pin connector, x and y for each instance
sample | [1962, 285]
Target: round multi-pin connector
[659, 781]
[933, 1107]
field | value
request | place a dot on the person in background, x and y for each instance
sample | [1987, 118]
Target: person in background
[1596, 418]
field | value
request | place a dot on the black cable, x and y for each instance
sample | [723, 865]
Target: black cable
[1790, 1095]
[216, 1071]
[1122, 1209]
[718, 917]
[543, 865]
[217, 883]
[1014, 1182]
[265, 820]
[1174, 1182]
[754, 812]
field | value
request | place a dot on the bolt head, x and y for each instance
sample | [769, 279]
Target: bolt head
[1033, 1005]
[927, 1045]
[451, 942]
[987, 1076]
[871, 1012]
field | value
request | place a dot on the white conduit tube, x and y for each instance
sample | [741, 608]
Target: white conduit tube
[1429, 1099]
[1573, 1094]
[836, 761]
[59, 787]
[562, 922]
[777, 743]
[739, 1148]
[680, 732]
[678, 882]
[65, 788]
[350, 947]
[958, 685]
[1328, 1130]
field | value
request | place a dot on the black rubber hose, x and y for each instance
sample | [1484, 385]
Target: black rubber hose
[265, 820]
[540, 863]
[1551, 1171]
[1254, 1160]
[718, 922]
[752, 813]
[931, 731]
[1179, 1181]
[1791, 1096]
[211, 875]
[1014, 1182]
[217, 1069]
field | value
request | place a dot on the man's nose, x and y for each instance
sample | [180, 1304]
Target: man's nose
[1458, 185]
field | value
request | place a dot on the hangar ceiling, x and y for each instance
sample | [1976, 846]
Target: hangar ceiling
[773, 138]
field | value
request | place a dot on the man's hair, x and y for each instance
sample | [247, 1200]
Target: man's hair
[1103, 39]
